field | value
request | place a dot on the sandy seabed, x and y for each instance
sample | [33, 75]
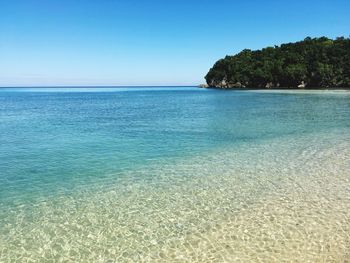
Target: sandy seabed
[282, 200]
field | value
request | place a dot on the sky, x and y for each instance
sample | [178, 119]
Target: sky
[153, 42]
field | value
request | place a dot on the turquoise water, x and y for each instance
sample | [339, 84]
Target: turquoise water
[173, 174]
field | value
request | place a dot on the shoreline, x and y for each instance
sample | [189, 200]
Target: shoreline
[277, 88]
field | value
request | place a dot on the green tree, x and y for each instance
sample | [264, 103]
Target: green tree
[318, 62]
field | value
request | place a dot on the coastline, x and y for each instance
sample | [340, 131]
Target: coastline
[275, 88]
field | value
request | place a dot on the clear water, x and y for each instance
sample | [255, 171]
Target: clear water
[174, 175]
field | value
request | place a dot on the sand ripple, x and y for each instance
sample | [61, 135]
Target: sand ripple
[285, 200]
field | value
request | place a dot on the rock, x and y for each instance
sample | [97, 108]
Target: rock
[236, 85]
[223, 83]
[269, 85]
[302, 85]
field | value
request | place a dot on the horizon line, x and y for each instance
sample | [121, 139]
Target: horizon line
[98, 86]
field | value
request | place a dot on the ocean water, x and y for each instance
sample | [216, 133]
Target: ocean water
[174, 174]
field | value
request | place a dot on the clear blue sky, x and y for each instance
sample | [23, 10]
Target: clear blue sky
[154, 42]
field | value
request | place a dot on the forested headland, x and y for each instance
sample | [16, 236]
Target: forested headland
[311, 63]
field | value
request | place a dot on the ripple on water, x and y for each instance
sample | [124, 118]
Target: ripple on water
[286, 199]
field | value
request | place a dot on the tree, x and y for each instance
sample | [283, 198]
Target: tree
[318, 62]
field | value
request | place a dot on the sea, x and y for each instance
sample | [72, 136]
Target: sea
[174, 174]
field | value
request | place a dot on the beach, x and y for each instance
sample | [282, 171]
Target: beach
[188, 185]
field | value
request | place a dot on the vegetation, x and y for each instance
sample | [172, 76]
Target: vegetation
[312, 63]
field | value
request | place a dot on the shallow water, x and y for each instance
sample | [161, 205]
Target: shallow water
[174, 175]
